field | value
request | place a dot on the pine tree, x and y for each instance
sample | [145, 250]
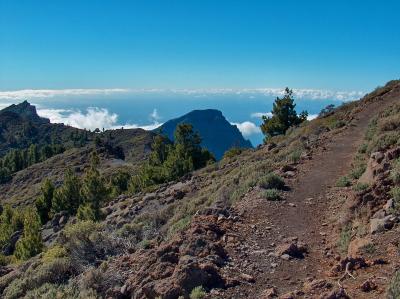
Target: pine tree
[30, 244]
[94, 192]
[159, 151]
[119, 182]
[68, 197]
[5, 175]
[33, 154]
[44, 202]
[283, 116]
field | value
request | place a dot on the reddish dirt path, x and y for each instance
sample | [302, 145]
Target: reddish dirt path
[267, 224]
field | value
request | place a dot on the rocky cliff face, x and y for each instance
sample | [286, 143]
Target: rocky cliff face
[217, 134]
[25, 111]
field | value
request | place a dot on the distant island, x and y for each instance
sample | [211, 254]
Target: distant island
[217, 134]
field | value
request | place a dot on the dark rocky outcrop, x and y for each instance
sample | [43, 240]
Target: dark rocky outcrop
[217, 134]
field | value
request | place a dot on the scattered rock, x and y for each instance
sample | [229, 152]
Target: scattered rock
[379, 225]
[269, 293]
[380, 214]
[285, 257]
[124, 289]
[377, 156]
[393, 154]
[289, 174]
[5, 270]
[388, 205]
[316, 284]
[149, 196]
[292, 295]
[294, 249]
[287, 168]
[270, 146]
[292, 205]
[336, 294]
[368, 286]
[247, 278]
[63, 220]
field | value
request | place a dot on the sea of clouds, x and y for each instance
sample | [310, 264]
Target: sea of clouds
[100, 117]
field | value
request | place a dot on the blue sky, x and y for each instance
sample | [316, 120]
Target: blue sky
[336, 45]
[94, 63]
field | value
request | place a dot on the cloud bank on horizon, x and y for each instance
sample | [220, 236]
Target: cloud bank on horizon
[100, 117]
[93, 118]
[313, 94]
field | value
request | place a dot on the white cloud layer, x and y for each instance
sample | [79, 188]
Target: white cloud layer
[313, 94]
[154, 116]
[269, 114]
[260, 114]
[247, 128]
[93, 118]
[49, 93]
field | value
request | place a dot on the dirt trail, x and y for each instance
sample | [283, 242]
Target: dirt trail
[303, 215]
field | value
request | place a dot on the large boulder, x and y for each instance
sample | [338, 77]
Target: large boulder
[292, 249]
[378, 225]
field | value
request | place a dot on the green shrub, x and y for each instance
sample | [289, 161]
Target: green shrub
[68, 197]
[87, 243]
[30, 243]
[344, 239]
[295, 156]
[336, 124]
[38, 274]
[10, 221]
[395, 172]
[168, 162]
[44, 202]
[198, 293]
[119, 182]
[360, 187]
[372, 128]
[343, 181]
[45, 291]
[232, 152]
[385, 141]
[5, 260]
[271, 181]
[358, 171]
[393, 291]
[179, 226]
[94, 192]
[389, 123]
[363, 148]
[145, 244]
[369, 248]
[395, 192]
[55, 252]
[395, 176]
[271, 194]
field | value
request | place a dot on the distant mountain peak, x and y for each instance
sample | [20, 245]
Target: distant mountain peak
[26, 111]
[217, 134]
